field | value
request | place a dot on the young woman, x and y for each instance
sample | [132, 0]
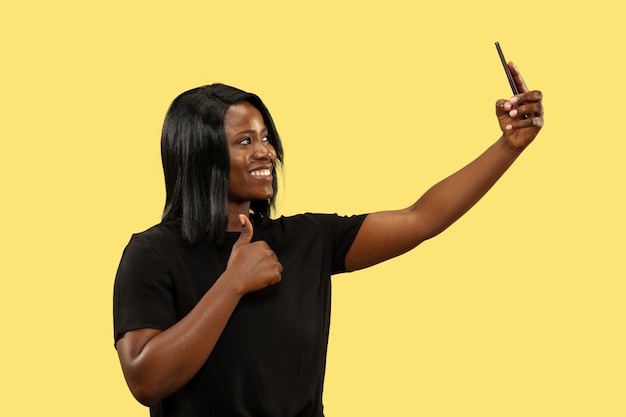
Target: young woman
[220, 310]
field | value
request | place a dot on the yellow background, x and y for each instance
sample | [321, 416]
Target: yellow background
[516, 310]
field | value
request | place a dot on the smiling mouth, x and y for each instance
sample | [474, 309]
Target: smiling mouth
[261, 173]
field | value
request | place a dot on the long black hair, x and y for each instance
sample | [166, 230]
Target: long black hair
[196, 161]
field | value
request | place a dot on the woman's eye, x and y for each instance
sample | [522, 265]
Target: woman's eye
[245, 141]
[266, 139]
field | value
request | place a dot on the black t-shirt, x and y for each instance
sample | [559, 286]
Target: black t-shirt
[270, 359]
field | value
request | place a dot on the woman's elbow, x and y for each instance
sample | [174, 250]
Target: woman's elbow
[145, 394]
[138, 366]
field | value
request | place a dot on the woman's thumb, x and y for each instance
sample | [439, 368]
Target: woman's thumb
[246, 231]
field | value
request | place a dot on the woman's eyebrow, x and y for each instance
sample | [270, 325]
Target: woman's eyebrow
[252, 131]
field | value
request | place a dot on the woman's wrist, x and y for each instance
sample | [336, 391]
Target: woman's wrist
[509, 146]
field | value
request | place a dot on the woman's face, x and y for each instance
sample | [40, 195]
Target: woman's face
[252, 157]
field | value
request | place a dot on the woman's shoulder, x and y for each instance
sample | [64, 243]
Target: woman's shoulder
[302, 220]
[163, 234]
[314, 222]
[310, 217]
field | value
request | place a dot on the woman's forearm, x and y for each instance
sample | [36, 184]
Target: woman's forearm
[450, 198]
[159, 363]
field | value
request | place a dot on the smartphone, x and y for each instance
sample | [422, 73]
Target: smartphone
[507, 70]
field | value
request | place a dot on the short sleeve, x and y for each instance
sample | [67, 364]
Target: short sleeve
[143, 290]
[342, 231]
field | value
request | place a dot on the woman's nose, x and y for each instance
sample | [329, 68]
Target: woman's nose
[264, 150]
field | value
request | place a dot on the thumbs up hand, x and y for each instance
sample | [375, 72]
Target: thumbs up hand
[252, 265]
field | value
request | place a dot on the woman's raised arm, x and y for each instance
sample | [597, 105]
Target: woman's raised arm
[387, 234]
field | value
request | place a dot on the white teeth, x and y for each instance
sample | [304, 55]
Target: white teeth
[261, 173]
